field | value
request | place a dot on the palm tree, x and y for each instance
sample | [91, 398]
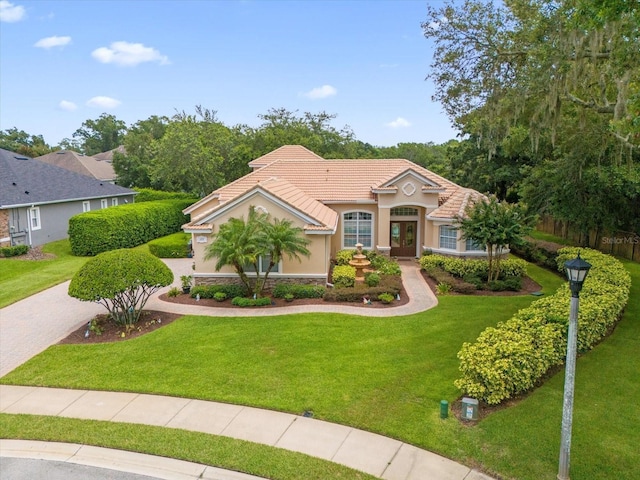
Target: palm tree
[239, 243]
[242, 244]
[284, 239]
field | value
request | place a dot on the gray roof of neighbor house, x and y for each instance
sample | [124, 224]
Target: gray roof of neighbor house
[84, 164]
[26, 181]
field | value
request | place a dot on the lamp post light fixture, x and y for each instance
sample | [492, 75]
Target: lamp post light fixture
[577, 270]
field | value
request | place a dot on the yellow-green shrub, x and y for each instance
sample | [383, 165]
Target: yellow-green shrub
[512, 357]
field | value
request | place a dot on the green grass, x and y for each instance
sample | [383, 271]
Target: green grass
[385, 375]
[21, 278]
[196, 447]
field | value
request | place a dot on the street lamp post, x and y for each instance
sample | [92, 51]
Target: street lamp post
[577, 270]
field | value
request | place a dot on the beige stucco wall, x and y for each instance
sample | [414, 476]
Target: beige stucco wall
[314, 266]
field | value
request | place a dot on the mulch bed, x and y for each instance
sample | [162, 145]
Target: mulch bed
[151, 320]
[528, 287]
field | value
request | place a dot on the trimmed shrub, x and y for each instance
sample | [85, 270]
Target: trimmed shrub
[388, 284]
[512, 357]
[250, 302]
[231, 290]
[151, 195]
[14, 251]
[344, 256]
[122, 281]
[171, 246]
[219, 296]
[510, 267]
[297, 290]
[386, 298]
[125, 226]
[344, 276]
[372, 279]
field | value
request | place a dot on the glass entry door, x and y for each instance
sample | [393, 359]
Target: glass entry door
[403, 239]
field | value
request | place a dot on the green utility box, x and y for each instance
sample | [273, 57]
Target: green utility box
[469, 408]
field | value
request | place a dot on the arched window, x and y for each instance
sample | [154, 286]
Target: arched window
[448, 237]
[357, 227]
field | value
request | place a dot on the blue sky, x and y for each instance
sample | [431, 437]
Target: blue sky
[63, 62]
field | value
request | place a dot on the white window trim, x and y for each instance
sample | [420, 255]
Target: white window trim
[373, 229]
[452, 227]
[86, 206]
[104, 203]
[114, 202]
[262, 272]
[34, 214]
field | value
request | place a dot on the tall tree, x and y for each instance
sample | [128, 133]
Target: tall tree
[100, 135]
[23, 143]
[140, 145]
[565, 73]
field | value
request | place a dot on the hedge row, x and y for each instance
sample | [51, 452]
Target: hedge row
[125, 226]
[512, 357]
[231, 290]
[13, 251]
[171, 246]
[539, 252]
[298, 290]
[459, 267]
[390, 284]
[151, 195]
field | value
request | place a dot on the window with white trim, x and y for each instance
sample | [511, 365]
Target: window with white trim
[114, 202]
[263, 265]
[357, 227]
[103, 203]
[448, 237]
[86, 206]
[472, 245]
[34, 218]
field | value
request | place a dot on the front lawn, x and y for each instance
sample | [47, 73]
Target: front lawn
[23, 278]
[386, 375]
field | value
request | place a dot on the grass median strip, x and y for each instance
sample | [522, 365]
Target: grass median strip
[228, 453]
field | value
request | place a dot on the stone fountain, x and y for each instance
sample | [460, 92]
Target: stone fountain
[360, 262]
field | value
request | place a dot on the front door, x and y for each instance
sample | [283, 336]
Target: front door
[403, 239]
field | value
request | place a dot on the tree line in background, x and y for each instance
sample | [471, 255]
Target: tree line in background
[545, 94]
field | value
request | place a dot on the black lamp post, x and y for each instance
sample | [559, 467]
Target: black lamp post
[577, 270]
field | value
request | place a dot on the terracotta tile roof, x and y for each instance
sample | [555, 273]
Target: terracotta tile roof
[286, 152]
[321, 216]
[456, 204]
[79, 163]
[335, 181]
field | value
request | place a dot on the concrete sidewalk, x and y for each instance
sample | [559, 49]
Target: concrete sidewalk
[368, 452]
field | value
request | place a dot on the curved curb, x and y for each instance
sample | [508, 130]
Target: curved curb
[119, 460]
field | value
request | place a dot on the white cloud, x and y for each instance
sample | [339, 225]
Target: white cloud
[128, 54]
[103, 102]
[399, 123]
[67, 105]
[54, 41]
[321, 92]
[10, 12]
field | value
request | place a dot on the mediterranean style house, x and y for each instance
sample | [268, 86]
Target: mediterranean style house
[393, 206]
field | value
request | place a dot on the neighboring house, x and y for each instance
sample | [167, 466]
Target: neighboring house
[79, 163]
[393, 206]
[37, 199]
[108, 156]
